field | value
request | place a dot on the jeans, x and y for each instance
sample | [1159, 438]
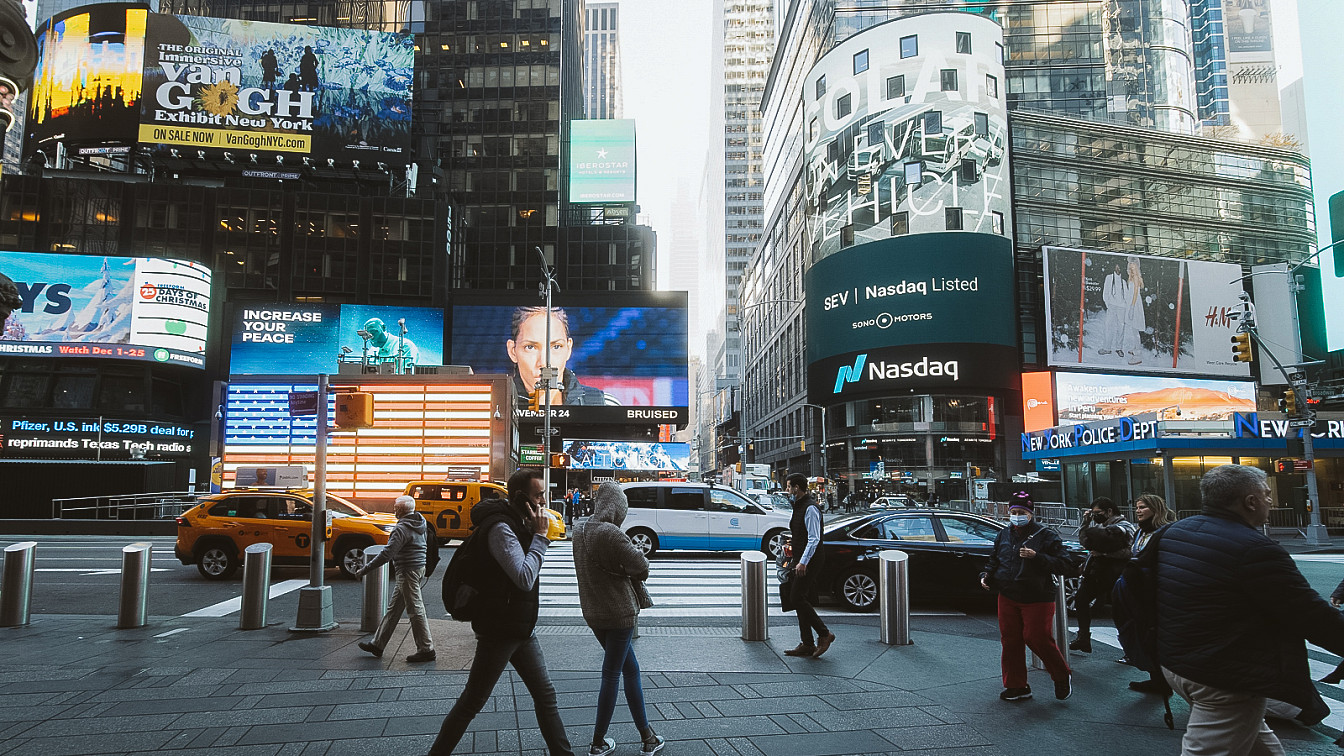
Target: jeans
[1223, 722]
[406, 597]
[619, 660]
[492, 654]
[1028, 625]
[802, 604]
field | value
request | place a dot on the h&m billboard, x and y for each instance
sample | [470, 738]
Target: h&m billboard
[932, 311]
[112, 76]
[602, 161]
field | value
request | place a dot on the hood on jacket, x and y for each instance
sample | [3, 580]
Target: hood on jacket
[416, 522]
[610, 504]
[490, 509]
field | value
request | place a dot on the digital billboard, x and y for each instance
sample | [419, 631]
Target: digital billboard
[602, 161]
[906, 132]
[1141, 314]
[117, 74]
[621, 357]
[312, 339]
[1085, 397]
[628, 455]
[932, 311]
[64, 437]
[128, 308]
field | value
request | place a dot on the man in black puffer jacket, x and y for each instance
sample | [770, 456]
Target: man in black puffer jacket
[1232, 613]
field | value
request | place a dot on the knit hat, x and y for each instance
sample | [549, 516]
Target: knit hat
[1021, 500]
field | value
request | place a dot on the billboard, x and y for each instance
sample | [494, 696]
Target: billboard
[1141, 314]
[97, 438]
[1086, 397]
[127, 308]
[311, 339]
[906, 132]
[621, 357]
[1247, 26]
[1038, 400]
[942, 318]
[628, 455]
[118, 75]
[602, 161]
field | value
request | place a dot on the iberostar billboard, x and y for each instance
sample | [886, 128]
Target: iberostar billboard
[120, 75]
[932, 311]
[311, 339]
[127, 308]
[602, 161]
[1142, 314]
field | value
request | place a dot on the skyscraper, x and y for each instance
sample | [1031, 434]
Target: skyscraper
[602, 62]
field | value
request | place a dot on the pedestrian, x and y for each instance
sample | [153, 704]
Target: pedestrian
[406, 549]
[510, 599]
[1022, 566]
[611, 573]
[1109, 540]
[804, 538]
[1233, 612]
[1150, 515]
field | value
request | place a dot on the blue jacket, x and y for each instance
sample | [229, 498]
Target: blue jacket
[1233, 611]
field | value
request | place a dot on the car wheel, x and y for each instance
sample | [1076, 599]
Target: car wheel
[857, 590]
[1071, 586]
[217, 561]
[350, 558]
[774, 544]
[644, 540]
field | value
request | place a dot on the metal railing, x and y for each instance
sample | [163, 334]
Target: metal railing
[146, 506]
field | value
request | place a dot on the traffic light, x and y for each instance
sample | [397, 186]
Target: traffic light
[534, 401]
[975, 472]
[1290, 402]
[559, 460]
[354, 409]
[1241, 347]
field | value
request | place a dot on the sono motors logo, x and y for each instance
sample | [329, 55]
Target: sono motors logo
[886, 320]
[148, 291]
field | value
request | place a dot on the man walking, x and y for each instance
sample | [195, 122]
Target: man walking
[406, 548]
[1232, 614]
[510, 597]
[805, 537]
[1108, 538]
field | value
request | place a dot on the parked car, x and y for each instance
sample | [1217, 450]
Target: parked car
[947, 550]
[702, 517]
[447, 504]
[892, 502]
[776, 501]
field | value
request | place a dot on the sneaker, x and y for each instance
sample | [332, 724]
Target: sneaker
[802, 649]
[1082, 643]
[421, 656]
[1064, 688]
[1016, 694]
[606, 747]
[1149, 686]
[367, 646]
[651, 743]
[823, 644]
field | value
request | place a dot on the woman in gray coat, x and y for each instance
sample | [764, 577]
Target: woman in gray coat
[611, 573]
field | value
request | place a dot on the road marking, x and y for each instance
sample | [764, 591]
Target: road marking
[225, 608]
[172, 632]
[91, 571]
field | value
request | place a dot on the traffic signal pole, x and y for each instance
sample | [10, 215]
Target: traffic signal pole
[548, 379]
[316, 613]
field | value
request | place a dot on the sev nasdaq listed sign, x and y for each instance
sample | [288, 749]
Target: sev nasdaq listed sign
[932, 311]
[312, 339]
[602, 161]
[92, 438]
[127, 308]
[1142, 314]
[111, 76]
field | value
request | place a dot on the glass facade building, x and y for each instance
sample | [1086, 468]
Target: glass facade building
[602, 61]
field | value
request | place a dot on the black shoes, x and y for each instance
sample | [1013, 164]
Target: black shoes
[421, 656]
[1064, 688]
[367, 646]
[1082, 643]
[1016, 694]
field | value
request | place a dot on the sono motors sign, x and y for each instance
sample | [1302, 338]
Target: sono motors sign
[928, 312]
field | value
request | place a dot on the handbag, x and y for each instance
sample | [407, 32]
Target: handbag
[786, 589]
[642, 596]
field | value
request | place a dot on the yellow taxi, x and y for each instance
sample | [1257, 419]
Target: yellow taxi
[447, 504]
[213, 534]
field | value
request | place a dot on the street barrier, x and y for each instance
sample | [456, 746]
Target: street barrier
[256, 586]
[375, 592]
[1060, 627]
[893, 581]
[16, 585]
[755, 599]
[133, 608]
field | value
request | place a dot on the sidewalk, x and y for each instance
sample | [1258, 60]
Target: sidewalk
[75, 685]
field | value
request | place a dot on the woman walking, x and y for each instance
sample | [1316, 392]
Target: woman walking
[1151, 515]
[611, 574]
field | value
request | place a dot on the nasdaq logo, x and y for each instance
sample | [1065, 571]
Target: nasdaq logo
[847, 374]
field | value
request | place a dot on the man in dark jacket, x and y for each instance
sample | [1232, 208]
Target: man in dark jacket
[805, 538]
[1108, 538]
[1026, 557]
[510, 600]
[1232, 613]
[406, 548]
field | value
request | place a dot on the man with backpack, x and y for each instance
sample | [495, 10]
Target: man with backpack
[406, 549]
[505, 582]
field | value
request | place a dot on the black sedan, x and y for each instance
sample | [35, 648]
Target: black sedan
[947, 550]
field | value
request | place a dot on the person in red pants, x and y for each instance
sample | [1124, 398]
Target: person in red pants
[1026, 557]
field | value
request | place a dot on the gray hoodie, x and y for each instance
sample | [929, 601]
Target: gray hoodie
[406, 547]
[605, 560]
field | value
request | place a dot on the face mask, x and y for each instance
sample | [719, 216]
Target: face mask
[1019, 520]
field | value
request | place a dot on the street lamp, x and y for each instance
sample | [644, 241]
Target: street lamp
[825, 466]
[548, 380]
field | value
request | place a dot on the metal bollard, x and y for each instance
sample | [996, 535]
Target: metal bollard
[375, 593]
[1060, 627]
[893, 580]
[256, 586]
[133, 609]
[16, 586]
[755, 614]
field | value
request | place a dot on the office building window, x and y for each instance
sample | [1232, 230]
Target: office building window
[821, 86]
[860, 61]
[963, 43]
[948, 79]
[914, 174]
[895, 87]
[842, 106]
[933, 122]
[969, 170]
[909, 46]
[812, 130]
[982, 124]
[847, 236]
[953, 217]
[991, 86]
[996, 222]
[900, 224]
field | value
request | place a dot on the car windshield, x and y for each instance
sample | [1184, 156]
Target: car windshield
[341, 508]
[843, 521]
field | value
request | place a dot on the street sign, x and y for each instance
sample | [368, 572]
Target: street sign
[554, 431]
[1296, 376]
[1301, 422]
[302, 403]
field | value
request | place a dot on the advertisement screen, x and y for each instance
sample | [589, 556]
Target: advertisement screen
[128, 308]
[1085, 397]
[115, 74]
[96, 438]
[602, 161]
[312, 339]
[1038, 400]
[1247, 26]
[627, 455]
[941, 318]
[1142, 314]
[621, 358]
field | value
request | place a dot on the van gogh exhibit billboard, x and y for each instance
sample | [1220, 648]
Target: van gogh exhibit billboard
[113, 76]
[602, 161]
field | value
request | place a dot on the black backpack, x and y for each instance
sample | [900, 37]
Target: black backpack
[461, 594]
[1134, 607]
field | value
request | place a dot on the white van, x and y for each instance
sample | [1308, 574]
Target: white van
[701, 517]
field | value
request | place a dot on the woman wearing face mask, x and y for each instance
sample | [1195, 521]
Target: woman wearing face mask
[1026, 557]
[1151, 515]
